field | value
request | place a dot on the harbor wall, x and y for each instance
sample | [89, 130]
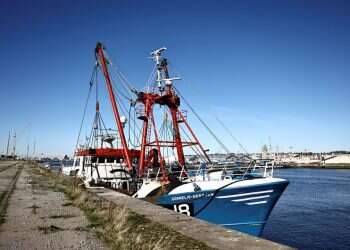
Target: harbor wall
[129, 223]
[332, 161]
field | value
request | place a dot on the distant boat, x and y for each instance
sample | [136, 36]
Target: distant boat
[53, 164]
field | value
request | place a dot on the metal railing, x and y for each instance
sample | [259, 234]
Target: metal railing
[227, 172]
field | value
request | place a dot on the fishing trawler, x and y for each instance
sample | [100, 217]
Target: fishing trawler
[149, 163]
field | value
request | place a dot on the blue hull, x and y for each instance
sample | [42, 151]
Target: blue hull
[245, 209]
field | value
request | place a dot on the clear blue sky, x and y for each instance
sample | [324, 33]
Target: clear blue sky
[266, 68]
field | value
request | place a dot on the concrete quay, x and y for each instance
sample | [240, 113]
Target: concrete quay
[46, 210]
[36, 217]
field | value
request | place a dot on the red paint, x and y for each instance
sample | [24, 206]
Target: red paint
[194, 136]
[161, 161]
[178, 143]
[107, 152]
[100, 54]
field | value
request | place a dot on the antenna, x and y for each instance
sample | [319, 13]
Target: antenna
[158, 52]
[161, 63]
[157, 57]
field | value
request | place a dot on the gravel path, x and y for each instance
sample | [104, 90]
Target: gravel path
[39, 218]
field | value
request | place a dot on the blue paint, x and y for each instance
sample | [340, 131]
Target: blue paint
[237, 215]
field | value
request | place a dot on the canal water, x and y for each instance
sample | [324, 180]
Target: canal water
[314, 211]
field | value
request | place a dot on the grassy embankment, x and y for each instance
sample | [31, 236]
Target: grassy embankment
[119, 227]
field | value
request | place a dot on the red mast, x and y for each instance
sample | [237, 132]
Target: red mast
[100, 55]
[173, 103]
[166, 96]
[147, 101]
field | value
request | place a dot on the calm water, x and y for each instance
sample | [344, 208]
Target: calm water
[314, 211]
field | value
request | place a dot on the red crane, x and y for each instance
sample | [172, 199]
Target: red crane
[166, 96]
[102, 59]
[150, 155]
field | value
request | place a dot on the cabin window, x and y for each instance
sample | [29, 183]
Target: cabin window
[93, 159]
[101, 159]
[110, 159]
[135, 160]
[120, 160]
[77, 162]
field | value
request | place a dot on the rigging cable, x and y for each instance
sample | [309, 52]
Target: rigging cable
[233, 137]
[151, 76]
[134, 143]
[119, 90]
[168, 132]
[203, 123]
[124, 111]
[94, 71]
[194, 148]
[118, 72]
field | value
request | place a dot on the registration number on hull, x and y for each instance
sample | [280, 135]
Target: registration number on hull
[182, 208]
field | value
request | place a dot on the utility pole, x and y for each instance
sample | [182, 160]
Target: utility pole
[34, 145]
[27, 152]
[14, 146]
[8, 144]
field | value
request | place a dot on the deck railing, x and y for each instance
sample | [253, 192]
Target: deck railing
[228, 171]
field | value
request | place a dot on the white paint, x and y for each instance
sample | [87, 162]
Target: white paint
[146, 189]
[254, 182]
[245, 194]
[217, 175]
[213, 185]
[252, 198]
[256, 203]
[182, 209]
[204, 186]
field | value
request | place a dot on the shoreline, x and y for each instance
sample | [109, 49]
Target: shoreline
[327, 166]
